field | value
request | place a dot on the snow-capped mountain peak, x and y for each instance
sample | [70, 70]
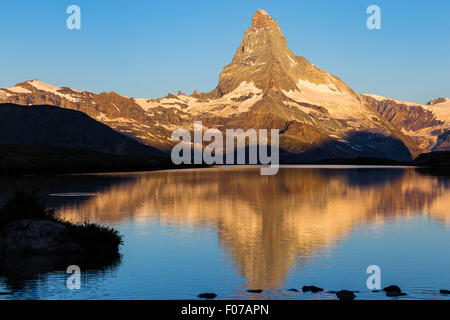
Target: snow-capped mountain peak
[265, 86]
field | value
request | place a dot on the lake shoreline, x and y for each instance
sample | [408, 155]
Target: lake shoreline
[17, 160]
[34, 240]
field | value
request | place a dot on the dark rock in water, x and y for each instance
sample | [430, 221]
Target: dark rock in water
[311, 288]
[443, 291]
[394, 291]
[293, 290]
[345, 295]
[255, 290]
[392, 288]
[375, 291]
[207, 295]
[4, 293]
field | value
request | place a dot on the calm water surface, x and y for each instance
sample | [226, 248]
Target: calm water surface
[226, 230]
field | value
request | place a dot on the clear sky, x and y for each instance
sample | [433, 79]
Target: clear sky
[149, 48]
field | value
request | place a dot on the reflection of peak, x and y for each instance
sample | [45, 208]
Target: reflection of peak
[271, 223]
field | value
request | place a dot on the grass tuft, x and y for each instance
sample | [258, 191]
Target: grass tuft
[94, 238]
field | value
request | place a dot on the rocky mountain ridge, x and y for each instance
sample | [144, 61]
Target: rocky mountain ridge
[427, 124]
[266, 87]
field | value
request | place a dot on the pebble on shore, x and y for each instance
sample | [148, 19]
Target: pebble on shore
[207, 295]
[313, 289]
[394, 291]
[254, 290]
[345, 295]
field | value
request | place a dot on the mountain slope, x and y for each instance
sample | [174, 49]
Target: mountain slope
[50, 126]
[428, 124]
[264, 87]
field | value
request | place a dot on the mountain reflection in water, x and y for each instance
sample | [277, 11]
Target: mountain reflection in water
[268, 223]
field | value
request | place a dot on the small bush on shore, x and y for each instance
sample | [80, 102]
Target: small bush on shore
[94, 238]
[24, 205]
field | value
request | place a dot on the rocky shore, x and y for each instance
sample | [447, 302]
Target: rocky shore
[33, 240]
[390, 291]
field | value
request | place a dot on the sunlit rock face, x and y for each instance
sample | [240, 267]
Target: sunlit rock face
[427, 124]
[269, 224]
[266, 86]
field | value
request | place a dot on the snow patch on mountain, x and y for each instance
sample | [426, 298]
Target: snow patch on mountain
[339, 105]
[3, 94]
[239, 100]
[440, 110]
[318, 88]
[381, 98]
[44, 86]
[17, 89]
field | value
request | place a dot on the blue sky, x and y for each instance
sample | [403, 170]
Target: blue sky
[149, 48]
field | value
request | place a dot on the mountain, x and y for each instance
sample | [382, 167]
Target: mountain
[265, 86]
[428, 124]
[49, 126]
[120, 113]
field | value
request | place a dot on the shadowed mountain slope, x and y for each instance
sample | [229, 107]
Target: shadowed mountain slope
[50, 126]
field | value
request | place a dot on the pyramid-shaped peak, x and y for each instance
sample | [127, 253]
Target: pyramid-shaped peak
[262, 19]
[264, 59]
[262, 12]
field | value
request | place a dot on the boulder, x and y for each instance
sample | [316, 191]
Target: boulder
[394, 291]
[207, 295]
[255, 290]
[345, 295]
[392, 288]
[311, 289]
